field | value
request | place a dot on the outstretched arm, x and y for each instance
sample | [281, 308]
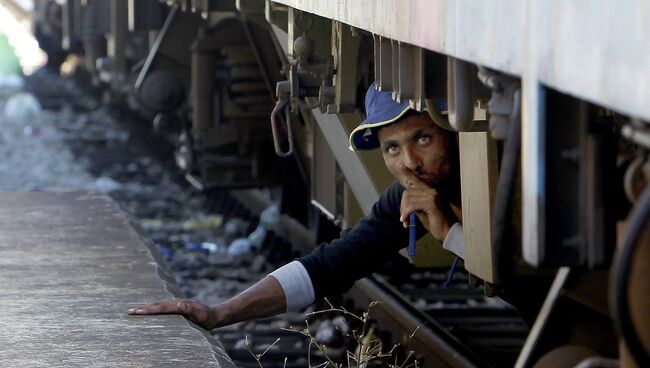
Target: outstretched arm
[264, 299]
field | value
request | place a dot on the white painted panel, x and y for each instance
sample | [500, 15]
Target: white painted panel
[597, 50]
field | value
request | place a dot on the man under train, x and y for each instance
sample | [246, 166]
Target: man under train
[422, 157]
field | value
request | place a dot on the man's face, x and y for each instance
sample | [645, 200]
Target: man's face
[416, 145]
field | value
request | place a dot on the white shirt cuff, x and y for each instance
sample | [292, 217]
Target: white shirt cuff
[296, 283]
[455, 240]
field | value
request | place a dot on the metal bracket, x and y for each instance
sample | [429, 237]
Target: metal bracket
[460, 94]
[345, 48]
[308, 77]
[502, 104]
[283, 96]
[383, 63]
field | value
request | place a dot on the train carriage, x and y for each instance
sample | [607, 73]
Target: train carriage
[549, 101]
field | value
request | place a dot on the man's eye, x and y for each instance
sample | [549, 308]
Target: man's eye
[391, 149]
[424, 139]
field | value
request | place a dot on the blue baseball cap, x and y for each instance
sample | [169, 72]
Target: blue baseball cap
[381, 110]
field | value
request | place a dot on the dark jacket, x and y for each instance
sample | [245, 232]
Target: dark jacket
[360, 250]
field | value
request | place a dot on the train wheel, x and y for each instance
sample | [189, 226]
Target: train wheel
[630, 285]
[567, 356]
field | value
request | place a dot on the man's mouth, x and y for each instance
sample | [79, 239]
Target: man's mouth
[428, 178]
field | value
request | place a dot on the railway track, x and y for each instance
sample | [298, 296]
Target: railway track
[460, 326]
[456, 327]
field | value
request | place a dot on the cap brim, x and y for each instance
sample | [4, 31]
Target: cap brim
[359, 131]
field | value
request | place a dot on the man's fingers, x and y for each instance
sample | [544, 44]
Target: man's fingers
[183, 307]
[416, 200]
[169, 306]
[147, 309]
[191, 310]
[405, 205]
[420, 195]
[412, 181]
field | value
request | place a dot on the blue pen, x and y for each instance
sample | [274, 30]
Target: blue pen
[412, 234]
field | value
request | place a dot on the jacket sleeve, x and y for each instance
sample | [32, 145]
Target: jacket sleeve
[334, 267]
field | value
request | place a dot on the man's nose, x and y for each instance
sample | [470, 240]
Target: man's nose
[410, 160]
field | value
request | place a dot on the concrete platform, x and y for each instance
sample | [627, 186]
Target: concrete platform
[71, 264]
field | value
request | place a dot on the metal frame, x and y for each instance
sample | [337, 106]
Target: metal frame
[355, 172]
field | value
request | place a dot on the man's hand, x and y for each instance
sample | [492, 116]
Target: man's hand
[196, 312]
[264, 299]
[433, 212]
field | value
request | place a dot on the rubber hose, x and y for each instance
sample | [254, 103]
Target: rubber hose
[620, 274]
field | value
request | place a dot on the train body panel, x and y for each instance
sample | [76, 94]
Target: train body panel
[547, 43]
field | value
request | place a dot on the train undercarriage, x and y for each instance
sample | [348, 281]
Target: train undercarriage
[553, 126]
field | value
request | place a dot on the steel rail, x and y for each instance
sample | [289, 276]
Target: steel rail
[431, 341]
